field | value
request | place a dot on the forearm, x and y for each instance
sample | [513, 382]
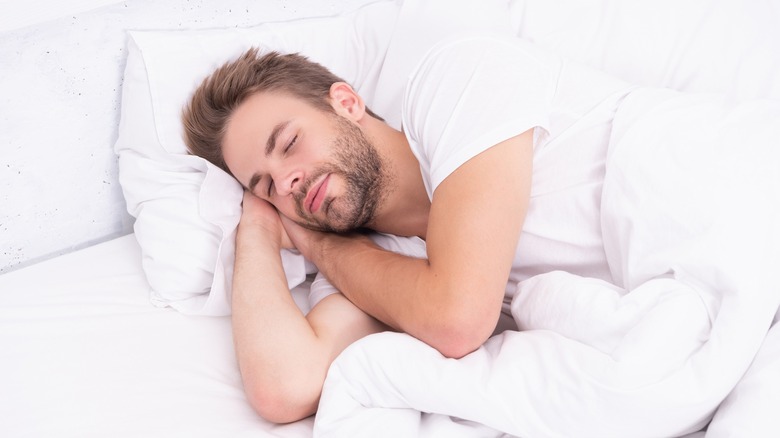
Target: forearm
[410, 294]
[263, 309]
[284, 356]
[274, 342]
[362, 271]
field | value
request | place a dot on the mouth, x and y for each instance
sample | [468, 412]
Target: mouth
[316, 195]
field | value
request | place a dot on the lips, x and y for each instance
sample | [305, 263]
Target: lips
[317, 194]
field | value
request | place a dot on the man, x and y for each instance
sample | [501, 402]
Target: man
[482, 118]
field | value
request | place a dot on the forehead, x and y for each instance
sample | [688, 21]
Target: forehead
[251, 124]
[260, 112]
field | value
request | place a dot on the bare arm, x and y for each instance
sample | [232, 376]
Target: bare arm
[452, 300]
[283, 356]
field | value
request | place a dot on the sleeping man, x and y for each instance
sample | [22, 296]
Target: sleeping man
[501, 169]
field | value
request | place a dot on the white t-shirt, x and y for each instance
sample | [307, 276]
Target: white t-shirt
[469, 94]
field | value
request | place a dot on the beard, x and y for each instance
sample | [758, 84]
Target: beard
[358, 162]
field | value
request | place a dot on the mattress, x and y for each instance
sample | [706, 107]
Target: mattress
[83, 353]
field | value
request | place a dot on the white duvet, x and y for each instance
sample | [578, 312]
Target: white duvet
[691, 203]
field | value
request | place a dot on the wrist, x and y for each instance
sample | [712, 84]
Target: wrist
[258, 234]
[327, 249]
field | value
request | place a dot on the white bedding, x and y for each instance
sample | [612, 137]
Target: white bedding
[84, 354]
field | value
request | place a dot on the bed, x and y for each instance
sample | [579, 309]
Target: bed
[131, 336]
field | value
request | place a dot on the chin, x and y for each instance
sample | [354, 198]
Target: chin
[334, 226]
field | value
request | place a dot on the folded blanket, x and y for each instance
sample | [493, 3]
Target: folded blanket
[689, 218]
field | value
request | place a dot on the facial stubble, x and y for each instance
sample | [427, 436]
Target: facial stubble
[365, 174]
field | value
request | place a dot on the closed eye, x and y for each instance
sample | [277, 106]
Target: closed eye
[286, 149]
[291, 144]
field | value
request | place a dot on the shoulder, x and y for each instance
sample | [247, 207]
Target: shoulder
[480, 65]
[466, 77]
[471, 93]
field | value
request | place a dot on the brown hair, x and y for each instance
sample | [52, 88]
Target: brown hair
[206, 116]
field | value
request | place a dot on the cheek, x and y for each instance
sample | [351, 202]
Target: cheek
[336, 185]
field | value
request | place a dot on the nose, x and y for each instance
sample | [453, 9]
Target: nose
[288, 181]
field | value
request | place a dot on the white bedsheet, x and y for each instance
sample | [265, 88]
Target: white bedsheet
[690, 214]
[84, 354]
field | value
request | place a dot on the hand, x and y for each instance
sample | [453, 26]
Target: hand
[259, 213]
[301, 238]
[314, 244]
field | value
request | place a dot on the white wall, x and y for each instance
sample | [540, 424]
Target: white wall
[61, 68]
[15, 14]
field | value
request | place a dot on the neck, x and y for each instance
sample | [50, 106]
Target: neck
[404, 210]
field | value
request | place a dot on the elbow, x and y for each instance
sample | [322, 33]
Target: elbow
[462, 331]
[457, 348]
[281, 401]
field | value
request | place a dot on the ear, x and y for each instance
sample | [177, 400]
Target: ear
[346, 102]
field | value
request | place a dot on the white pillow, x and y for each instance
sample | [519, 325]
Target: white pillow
[186, 209]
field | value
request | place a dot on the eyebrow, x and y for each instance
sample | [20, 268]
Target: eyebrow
[253, 181]
[270, 144]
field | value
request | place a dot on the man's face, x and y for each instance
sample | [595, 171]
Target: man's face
[315, 167]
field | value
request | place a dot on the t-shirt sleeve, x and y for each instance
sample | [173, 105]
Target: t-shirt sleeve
[470, 94]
